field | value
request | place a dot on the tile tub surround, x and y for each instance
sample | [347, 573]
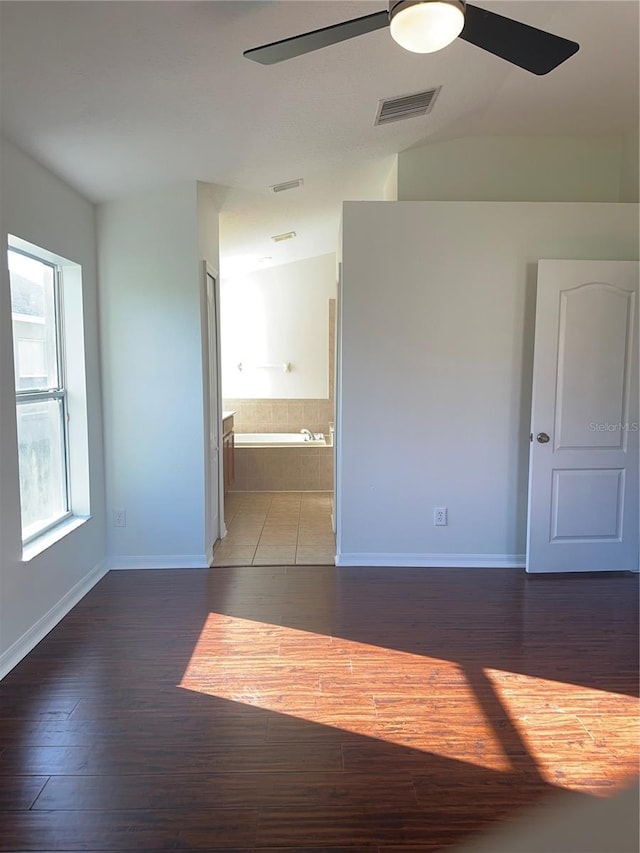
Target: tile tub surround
[281, 415]
[283, 469]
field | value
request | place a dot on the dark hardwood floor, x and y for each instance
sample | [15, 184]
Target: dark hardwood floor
[386, 710]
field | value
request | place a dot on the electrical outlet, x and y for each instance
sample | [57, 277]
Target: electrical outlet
[440, 516]
[119, 518]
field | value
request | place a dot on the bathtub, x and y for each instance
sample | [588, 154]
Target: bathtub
[276, 439]
[281, 462]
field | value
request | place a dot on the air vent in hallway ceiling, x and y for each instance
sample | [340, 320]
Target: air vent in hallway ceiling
[406, 106]
[287, 185]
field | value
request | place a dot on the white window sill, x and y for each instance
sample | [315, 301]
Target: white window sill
[41, 543]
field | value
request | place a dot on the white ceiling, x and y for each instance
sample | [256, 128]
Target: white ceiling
[118, 97]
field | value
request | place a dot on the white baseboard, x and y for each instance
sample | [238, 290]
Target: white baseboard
[434, 561]
[30, 639]
[166, 561]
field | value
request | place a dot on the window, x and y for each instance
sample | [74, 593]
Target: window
[47, 308]
[41, 392]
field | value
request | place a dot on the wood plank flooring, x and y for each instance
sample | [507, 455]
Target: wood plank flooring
[317, 709]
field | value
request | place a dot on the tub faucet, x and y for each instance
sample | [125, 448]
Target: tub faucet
[308, 435]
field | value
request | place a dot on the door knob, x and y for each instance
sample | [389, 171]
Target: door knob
[542, 437]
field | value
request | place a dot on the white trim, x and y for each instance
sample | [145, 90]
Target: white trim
[166, 561]
[336, 515]
[52, 535]
[214, 492]
[30, 639]
[434, 561]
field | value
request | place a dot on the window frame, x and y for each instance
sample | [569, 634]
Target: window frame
[59, 393]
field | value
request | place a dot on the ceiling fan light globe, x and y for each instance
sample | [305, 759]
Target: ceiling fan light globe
[427, 26]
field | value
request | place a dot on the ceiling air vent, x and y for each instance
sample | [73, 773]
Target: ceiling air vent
[287, 185]
[288, 235]
[406, 106]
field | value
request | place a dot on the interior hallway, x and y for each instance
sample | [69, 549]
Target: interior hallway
[276, 528]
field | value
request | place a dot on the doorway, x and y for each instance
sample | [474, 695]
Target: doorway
[278, 340]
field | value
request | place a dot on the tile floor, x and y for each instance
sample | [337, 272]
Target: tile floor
[277, 528]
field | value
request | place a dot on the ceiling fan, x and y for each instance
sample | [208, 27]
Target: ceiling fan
[424, 26]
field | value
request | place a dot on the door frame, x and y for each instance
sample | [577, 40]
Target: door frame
[336, 511]
[212, 407]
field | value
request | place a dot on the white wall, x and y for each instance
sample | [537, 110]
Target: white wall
[438, 302]
[150, 317]
[630, 171]
[275, 316]
[390, 190]
[40, 208]
[208, 229]
[524, 168]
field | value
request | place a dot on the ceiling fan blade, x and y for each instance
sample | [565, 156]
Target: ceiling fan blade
[278, 51]
[527, 47]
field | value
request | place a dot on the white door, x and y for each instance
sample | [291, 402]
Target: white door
[214, 489]
[583, 465]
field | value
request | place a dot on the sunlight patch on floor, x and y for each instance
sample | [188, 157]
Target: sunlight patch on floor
[495, 719]
[401, 698]
[562, 727]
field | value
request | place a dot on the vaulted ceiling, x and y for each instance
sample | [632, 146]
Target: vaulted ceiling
[118, 97]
